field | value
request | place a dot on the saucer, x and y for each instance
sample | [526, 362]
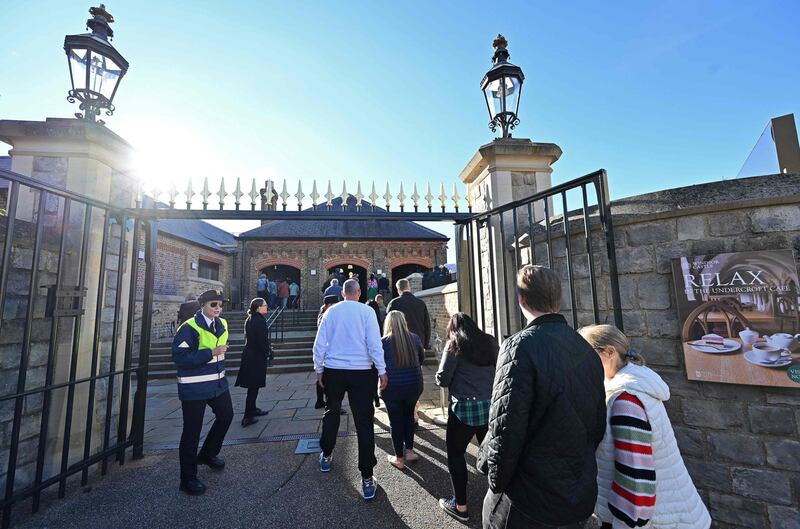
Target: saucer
[783, 361]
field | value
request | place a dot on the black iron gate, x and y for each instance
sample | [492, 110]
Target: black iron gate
[67, 355]
[553, 228]
[76, 303]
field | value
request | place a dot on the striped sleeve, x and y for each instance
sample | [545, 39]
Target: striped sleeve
[633, 493]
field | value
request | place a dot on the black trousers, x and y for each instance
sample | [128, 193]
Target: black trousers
[457, 440]
[361, 387]
[250, 402]
[401, 420]
[193, 411]
[500, 513]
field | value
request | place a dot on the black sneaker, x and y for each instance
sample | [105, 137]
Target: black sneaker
[449, 506]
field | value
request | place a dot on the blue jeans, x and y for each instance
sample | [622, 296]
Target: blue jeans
[401, 420]
[283, 302]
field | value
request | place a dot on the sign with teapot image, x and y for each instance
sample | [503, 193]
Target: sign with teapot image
[740, 317]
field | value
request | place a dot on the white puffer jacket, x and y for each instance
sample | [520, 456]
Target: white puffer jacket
[678, 505]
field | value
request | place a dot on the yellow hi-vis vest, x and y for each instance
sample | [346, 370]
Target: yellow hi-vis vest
[206, 338]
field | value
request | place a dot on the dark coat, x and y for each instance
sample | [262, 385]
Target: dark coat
[548, 416]
[416, 313]
[253, 371]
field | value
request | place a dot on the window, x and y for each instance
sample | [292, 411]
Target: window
[208, 270]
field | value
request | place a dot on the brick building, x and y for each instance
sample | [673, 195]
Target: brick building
[308, 251]
[193, 256]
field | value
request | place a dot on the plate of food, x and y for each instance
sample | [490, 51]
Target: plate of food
[715, 344]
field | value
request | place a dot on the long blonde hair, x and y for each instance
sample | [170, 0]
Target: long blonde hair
[603, 336]
[395, 327]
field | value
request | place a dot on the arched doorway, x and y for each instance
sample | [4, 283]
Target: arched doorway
[281, 272]
[346, 271]
[403, 271]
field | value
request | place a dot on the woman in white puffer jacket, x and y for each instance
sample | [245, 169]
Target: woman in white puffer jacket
[642, 480]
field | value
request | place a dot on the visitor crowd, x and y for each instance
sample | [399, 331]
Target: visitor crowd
[570, 423]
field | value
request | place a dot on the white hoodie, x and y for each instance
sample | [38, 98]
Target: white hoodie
[678, 505]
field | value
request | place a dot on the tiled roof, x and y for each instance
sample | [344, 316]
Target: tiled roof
[198, 232]
[368, 229]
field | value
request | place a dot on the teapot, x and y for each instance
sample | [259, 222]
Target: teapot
[782, 340]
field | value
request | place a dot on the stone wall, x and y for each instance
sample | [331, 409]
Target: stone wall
[442, 303]
[175, 280]
[740, 443]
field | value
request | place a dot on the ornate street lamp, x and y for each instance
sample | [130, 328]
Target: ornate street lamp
[95, 66]
[501, 87]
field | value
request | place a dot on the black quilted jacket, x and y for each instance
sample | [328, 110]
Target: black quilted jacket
[547, 418]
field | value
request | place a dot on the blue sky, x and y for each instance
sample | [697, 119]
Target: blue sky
[661, 94]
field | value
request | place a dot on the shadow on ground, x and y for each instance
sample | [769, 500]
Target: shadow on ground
[266, 485]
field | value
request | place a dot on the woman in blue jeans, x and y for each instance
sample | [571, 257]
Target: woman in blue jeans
[467, 369]
[404, 355]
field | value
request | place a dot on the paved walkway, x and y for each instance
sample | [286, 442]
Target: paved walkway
[265, 485]
[288, 397]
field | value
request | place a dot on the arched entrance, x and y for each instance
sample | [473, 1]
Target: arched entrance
[345, 271]
[283, 272]
[406, 267]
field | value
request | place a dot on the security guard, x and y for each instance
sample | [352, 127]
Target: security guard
[199, 352]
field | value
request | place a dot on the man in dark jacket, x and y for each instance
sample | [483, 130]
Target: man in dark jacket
[415, 311]
[547, 417]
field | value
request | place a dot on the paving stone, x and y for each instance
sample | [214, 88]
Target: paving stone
[289, 428]
[291, 404]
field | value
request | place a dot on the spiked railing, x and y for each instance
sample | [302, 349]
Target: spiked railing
[299, 201]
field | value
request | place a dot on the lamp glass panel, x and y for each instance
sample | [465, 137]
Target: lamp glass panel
[493, 94]
[104, 75]
[513, 88]
[77, 65]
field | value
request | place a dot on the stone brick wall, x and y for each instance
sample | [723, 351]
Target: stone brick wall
[442, 303]
[175, 279]
[740, 443]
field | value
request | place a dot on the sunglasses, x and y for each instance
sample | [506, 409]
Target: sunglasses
[215, 304]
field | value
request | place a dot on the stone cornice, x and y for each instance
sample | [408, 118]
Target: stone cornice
[68, 137]
[510, 154]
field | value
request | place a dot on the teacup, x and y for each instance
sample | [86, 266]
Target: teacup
[765, 352]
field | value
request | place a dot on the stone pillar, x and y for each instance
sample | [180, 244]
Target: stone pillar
[91, 160]
[501, 172]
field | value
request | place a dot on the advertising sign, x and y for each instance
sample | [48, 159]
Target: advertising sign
[739, 317]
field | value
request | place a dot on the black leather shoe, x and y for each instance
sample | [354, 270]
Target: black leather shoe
[217, 463]
[192, 487]
[259, 412]
[247, 421]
